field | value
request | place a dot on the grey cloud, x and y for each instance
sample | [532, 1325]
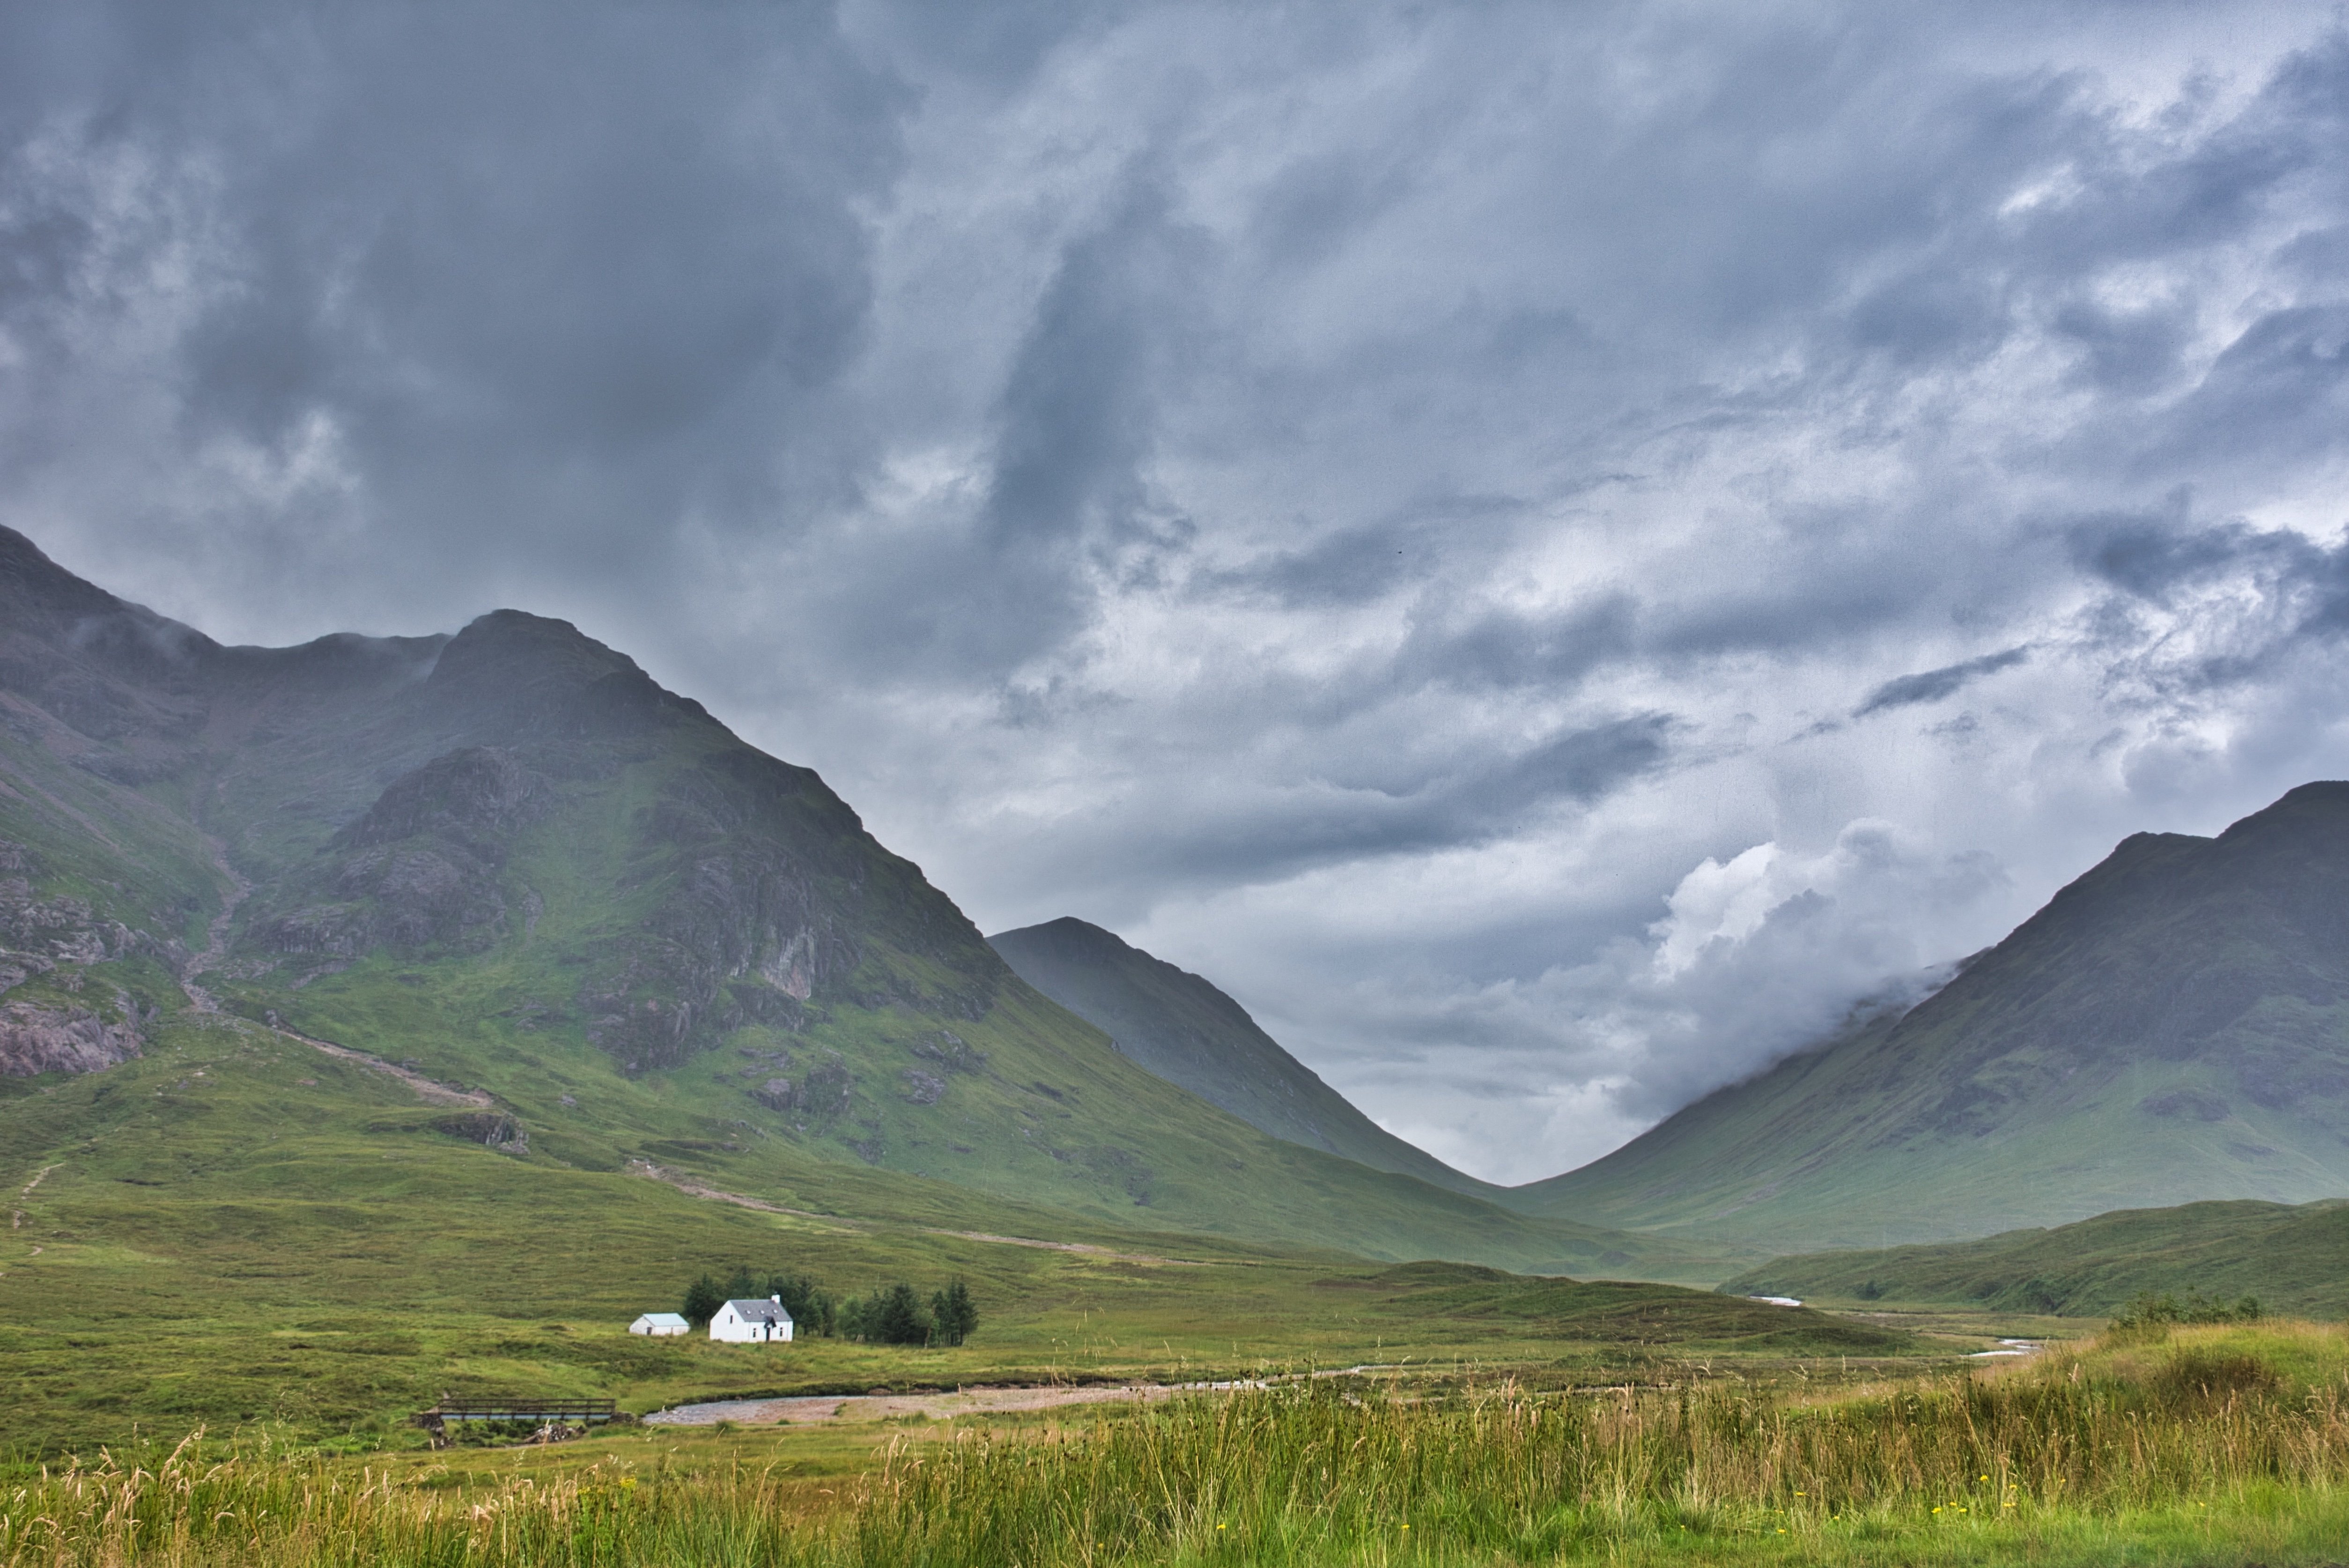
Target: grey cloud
[1076, 412]
[1932, 685]
[547, 279]
[2280, 390]
[1375, 808]
[2148, 553]
[2300, 589]
[1491, 648]
[1368, 475]
[2133, 350]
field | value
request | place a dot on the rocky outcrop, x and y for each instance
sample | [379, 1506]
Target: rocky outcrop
[50, 931]
[37, 935]
[952, 1052]
[36, 1039]
[493, 1129]
[420, 869]
[476, 797]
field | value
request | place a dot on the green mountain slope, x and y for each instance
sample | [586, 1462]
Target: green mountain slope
[1187, 1032]
[622, 937]
[2293, 1259]
[2173, 1026]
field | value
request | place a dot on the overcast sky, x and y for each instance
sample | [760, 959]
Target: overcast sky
[1548, 549]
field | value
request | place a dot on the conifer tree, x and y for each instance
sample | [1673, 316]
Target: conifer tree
[954, 1313]
[702, 1300]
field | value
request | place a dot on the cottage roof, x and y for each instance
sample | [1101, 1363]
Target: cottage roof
[759, 1311]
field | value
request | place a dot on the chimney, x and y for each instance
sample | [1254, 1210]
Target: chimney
[777, 1300]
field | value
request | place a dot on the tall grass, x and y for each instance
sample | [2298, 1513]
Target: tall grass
[1309, 1474]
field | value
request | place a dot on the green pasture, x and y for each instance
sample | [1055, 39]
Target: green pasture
[2211, 1448]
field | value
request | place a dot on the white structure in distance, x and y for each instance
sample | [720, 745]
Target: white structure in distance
[660, 1324]
[751, 1322]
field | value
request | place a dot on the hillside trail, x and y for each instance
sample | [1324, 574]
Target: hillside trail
[239, 887]
[693, 1187]
[431, 1091]
[215, 934]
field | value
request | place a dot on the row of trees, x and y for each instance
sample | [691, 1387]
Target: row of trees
[893, 1316]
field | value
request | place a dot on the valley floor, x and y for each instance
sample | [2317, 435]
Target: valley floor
[2208, 1447]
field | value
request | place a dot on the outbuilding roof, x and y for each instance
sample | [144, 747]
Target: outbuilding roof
[666, 1319]
[757, 1311]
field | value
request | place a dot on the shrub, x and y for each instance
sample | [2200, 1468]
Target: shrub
[2147, 1312]
[2205, 1377]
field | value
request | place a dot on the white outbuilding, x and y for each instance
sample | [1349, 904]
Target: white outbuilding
[751, 1322]
[659, 1324]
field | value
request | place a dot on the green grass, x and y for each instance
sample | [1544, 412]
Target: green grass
[2202, 1448]
[2293, 1259]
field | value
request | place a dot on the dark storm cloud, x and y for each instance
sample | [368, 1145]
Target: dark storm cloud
[2301, 586]
[1375, 808]
[1932, 685]
[541, 277]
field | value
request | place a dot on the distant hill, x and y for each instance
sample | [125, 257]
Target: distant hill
[2173, 1026]
[2295, 1259]
[1187, 1032]
[623, 938]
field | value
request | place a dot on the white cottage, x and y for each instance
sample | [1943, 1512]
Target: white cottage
[751, 1322]
[660, 1324]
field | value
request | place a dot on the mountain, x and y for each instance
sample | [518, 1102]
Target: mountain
[2173, 1026]
[584, 925]
[2293, 1259]
[1182, 1028]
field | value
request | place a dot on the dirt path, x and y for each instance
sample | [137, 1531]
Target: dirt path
[216, 948]
[431, 1091]
[215, 934]
[1085, 1247]
[881, 1405]
[693, 1189]
[17, 1216]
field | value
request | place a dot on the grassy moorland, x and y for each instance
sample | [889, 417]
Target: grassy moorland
[2204, 1446]
[2292, 1258]
[235, 1231]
